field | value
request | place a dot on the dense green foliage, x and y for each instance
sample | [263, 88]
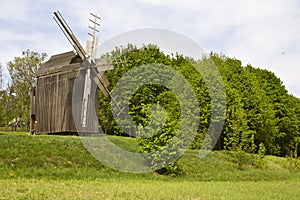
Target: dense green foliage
[15, 100]
[261, 116]
[259, 110]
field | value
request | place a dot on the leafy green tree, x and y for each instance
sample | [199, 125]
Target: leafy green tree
[265, 101]
[22, 72]
[1, 77]
[7, 102]
[237, 135]
[2, 99]
[157, 140]
[158, 135]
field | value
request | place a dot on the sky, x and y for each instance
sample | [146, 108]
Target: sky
[263, 33]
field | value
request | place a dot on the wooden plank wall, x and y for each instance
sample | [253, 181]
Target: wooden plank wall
[53, 105]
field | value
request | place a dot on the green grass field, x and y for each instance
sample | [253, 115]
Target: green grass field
[59, 167]
[146, 189]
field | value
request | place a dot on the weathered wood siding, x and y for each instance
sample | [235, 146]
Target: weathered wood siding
[52, 104]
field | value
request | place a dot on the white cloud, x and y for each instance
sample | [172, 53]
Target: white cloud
[268, 37]
[15, 10]
[254, 31]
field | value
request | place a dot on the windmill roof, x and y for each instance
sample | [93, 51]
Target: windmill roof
[60, 63]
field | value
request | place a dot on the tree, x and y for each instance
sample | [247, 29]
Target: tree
[1, 77]
[154, 135]
[237, 135]
[22, 72]
[271, 114]
[2, 93]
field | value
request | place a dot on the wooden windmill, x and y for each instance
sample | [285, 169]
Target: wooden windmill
[51, 101]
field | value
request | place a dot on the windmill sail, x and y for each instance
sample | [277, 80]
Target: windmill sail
[94, 68]
[92, 51]
[69, 34]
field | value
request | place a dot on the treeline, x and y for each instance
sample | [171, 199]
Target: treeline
[261, 116]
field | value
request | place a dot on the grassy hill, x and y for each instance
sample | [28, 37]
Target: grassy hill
[64, 157]
[42, 166]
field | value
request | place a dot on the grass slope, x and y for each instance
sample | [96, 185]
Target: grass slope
[59, 167]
